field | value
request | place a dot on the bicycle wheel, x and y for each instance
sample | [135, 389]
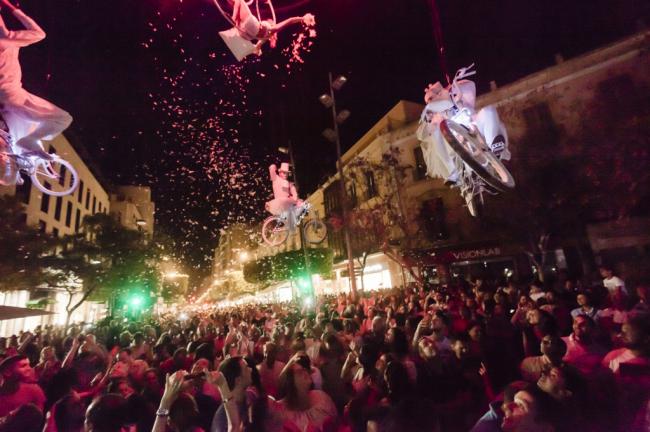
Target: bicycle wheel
[274, 231]
[315, 231]
[51, 172]
[471, 148]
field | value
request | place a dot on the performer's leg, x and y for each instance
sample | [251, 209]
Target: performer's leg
[292, 215]
[446, 165]
[31, 119]
[487, 120]
[240, 11]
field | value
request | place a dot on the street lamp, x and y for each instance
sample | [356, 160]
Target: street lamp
[332, 135]
[243, 256]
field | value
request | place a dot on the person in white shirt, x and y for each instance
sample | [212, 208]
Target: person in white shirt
[614, 284]
[248, 28]
[30, 118]
[441, 103]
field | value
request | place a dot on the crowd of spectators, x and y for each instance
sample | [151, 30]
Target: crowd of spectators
[473, 356]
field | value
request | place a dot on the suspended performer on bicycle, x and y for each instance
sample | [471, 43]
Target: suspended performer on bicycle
[285, 202]
[30, 118]
[249, 28]
[441, 103]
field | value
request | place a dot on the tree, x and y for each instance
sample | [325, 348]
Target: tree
[105, 262]
[386, 219]
[21, 247]
[288, 265]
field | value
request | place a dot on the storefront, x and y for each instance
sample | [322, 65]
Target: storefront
[488, 261]
[379, 273]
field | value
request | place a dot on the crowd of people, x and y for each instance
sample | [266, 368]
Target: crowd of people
[473, 356]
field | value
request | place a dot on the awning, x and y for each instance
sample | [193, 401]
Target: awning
[11, 312]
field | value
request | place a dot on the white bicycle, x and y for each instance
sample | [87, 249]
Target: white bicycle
[47, 175]
[276, 229]
[475, 160]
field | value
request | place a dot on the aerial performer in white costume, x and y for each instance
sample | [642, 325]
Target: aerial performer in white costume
[250, 31]
[441, 102]
[285, 200]
[30, 118]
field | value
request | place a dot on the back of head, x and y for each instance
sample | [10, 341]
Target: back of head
[27, 418]
[184, 413]
[398, 382]
[69, 414]
[231, 370]
[106, 413]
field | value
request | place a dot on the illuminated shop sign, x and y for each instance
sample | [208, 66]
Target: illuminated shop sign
[474, 254]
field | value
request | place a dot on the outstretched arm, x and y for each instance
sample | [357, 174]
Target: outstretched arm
[32, 33]
[307, 19]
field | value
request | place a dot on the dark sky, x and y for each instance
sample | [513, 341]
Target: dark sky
[157, 98]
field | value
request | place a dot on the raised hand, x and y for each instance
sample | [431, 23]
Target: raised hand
[219, 380]
[173, 386]
[309, 20]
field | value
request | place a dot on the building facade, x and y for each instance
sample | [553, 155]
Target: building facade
[133, 208]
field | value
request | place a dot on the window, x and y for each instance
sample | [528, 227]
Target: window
[62, 172]
[55, 232]
[99, 208]
[77, 221]
[94, 204]
[80, 192]
[45, 199]
[433, 214]
[24, 190]
[68, 214]
[332, 198]
[57, 208]
[352, 194]
[41, 226]
[370, 184]
[87, 198]
[420, 170]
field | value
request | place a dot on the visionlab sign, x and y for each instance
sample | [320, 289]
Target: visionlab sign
[472, 254]
[476, 253]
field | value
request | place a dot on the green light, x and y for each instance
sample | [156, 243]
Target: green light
[136, 301]
[303, 282]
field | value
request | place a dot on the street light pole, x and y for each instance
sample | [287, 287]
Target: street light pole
[339, 162]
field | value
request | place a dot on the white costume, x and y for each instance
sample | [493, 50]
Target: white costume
[285, 195]
[239, 39]
[29, 118]
[438, 155]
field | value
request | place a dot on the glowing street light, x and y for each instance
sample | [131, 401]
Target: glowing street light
[339, 82]
[243, 256]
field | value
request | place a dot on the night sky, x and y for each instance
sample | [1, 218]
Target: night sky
[157, 98]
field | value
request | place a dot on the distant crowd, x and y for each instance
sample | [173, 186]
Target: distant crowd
[470, 356]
